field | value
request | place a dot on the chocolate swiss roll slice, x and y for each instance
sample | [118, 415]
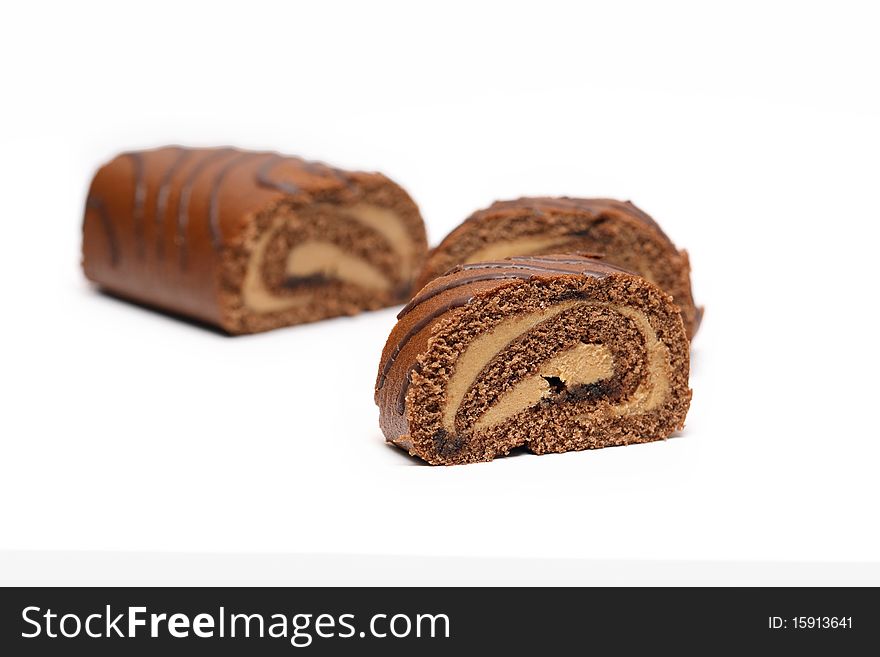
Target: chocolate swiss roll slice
[249, 241]
[554, 353]
[620, 232]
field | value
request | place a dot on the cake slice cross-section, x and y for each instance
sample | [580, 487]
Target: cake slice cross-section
[619, 231]
[554, 353]
[249, 241]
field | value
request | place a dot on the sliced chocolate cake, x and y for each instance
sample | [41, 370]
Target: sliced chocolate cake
[553, 353]
[249, 241]
[619, 231]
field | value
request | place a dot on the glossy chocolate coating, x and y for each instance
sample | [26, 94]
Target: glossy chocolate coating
[158, 222]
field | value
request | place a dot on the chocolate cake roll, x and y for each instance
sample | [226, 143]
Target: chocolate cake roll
[555, 353]
[620, 232]
[249, 241]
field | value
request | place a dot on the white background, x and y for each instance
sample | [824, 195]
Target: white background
[750, 132]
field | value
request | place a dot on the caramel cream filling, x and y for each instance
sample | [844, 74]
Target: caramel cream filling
[520, 246]
[313, 257]
[388, 224]
[580, 365]
[654, 388]
[254, 293]
[483, 349]
[316, 257]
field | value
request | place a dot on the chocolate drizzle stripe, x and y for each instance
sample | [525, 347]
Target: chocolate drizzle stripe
[214, 203]
[442, 310]
[440, 289]
[162, 198]
[593, 265]
[508, 264]
[413, 331]
[563, 261]
[140, 196]
[320, 169]
[98, 205]
[186, 193]
[264, 174]
[638, 213]
[264, 177]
